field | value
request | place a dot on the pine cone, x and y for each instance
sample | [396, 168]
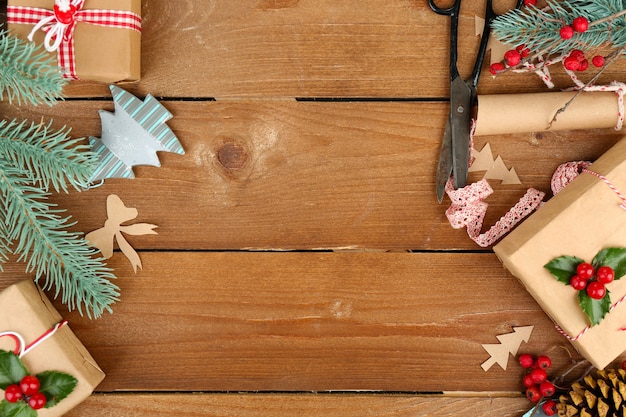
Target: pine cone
[602, 394]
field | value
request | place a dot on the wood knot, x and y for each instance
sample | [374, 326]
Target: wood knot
[232, 156]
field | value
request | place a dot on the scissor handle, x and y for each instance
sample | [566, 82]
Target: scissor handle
[490, 14]
[452, 11]
[448, 11]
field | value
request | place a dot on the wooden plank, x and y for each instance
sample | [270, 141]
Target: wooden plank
[219, 321]
[306, 48]
[305, 175]
[309, 405]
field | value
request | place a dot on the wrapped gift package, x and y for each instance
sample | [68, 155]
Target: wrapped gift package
[100, 52]
[582, 219]
[24, 309]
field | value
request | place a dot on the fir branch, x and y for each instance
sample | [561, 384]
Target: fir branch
[52, 156]
[538, 29]
[61, 258]
[27, 72]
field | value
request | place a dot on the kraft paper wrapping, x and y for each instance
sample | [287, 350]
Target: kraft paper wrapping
[519, 113]
[582, 219]
[25, 309]
[102, 53]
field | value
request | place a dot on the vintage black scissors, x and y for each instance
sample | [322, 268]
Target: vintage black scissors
[455, 147]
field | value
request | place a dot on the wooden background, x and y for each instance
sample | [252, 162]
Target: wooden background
[302, 264]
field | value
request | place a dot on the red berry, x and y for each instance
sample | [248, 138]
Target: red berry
[13, 393]
[544, 362]
[578, 283]
[584, 64]
[549, 408]
[538, 375]
[585, 269]
[624, 365]
[571, 63]
[546, 389]
[512, 57]
[580, 24]
[596, 290]
[606, 275]
[530, 2]
[30, 385]
[524, 52]
[496, 67]
[598, 61]
[526, 360]
[533, 394]
[566, 32]
[37, 401]
[528, 381]
[579, 55]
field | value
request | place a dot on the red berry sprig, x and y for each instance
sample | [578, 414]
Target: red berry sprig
[27, 391]
[512, 58]
[593, 282]
[591, 279]
[536, 381]
[579, 24]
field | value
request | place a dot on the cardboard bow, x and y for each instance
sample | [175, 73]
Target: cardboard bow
[104, 238]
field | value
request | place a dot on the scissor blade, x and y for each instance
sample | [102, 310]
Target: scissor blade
[460, 114]
[444, 167]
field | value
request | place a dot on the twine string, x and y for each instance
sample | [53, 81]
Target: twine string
[609, 184]
[21, 348]
[586, 329]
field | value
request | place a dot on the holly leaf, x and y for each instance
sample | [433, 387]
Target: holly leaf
[12, 370]
[613, 257]
[56, 386]
[18, 409]
[594, 309]
[563, 268]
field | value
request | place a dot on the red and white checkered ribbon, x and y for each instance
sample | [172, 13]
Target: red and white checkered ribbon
[59, 25]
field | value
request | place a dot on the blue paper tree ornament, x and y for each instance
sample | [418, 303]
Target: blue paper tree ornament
[132, 136]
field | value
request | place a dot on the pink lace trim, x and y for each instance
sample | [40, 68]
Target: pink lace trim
[468, 210]
[565, 173]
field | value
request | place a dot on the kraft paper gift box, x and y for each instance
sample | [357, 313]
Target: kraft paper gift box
[26, 310]
[582, 219]
[106, 54]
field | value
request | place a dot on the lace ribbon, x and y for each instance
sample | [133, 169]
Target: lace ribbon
[468, 210]
[59, 25]
[21, 348]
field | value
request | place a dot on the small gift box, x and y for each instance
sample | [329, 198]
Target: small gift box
[586, 217]
[98, 40]
[32, 329]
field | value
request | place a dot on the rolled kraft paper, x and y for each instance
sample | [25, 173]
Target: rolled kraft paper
[520, 113]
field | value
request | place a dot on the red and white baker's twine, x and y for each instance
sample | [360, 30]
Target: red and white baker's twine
[581, 334]
[610, 185]
[542, 70]
[59, 25]
[21, 348]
